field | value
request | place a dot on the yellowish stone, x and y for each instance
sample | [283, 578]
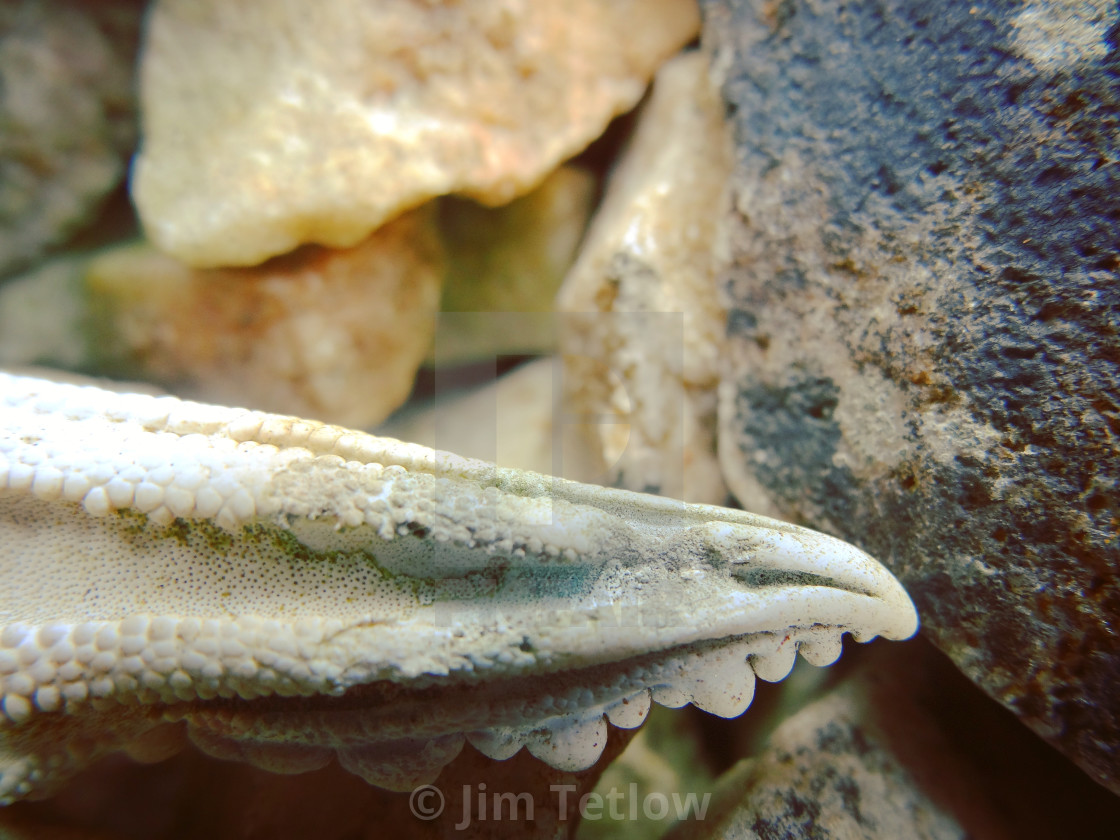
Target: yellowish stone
[270, 124]
[332, 334]
[643, 335]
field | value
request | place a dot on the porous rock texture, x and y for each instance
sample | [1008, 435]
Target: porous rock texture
[926, 309]
[641, 322]
[266, 126]
[66, 117]
[334, 334]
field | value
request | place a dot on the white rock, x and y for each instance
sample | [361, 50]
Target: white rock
[644, 330]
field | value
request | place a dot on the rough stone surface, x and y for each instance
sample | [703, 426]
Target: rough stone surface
[903, 746]
[642, 328]
[925, 321]
[66, 117]
[825, 773]
[336, 335]
[266, 127]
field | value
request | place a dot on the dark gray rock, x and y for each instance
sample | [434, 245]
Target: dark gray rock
[823, 776]
[831, 770]
[67, 117]
[925, 319]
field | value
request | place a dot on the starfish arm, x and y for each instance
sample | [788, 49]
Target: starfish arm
[293, 590]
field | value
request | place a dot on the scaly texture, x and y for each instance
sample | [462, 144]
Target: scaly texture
[293, 591]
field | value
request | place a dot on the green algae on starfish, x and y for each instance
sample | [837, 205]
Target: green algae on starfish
[290, 591]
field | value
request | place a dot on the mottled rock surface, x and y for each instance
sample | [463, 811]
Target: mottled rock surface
[66, 117]
[902, 746]
[266, 127]
[825, 773]
[335, 335]
[925, 322]
[642, 325]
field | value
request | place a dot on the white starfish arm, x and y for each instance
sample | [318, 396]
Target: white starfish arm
[293, 590]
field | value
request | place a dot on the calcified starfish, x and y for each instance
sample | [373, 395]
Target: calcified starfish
[289, 591]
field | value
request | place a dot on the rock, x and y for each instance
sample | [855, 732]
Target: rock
[509, 259]
[66, 117]
[499, 262]
[516, 421]
[824, 774]
[266, 127]
[903, 747]
[648, 347]
[924, 321]
[336, 335]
